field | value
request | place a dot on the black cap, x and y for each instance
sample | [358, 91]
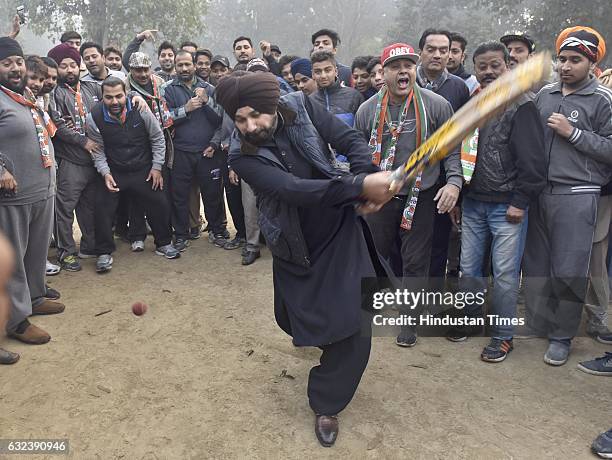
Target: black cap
[275, 48]
[519, 37]
[220, 59]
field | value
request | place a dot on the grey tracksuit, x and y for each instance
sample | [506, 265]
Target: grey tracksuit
[562, 222]
[76, 174]
[26, 218]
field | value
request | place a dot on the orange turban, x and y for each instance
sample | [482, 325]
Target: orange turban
[601, 47]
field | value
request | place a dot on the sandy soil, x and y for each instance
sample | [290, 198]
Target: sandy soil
[206, 373]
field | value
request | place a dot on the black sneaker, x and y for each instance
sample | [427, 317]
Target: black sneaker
[70, 263]
[461, 333]
[181, 244]
[218, 240]
[602, 445]
[598, 366]
[226, 234]
[497, 350]
[195, 233]
[235, 244]
[602, 336]
[406, 338]
[51, 293]
[249, 257]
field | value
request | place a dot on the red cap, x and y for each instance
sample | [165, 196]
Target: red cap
[398, 51]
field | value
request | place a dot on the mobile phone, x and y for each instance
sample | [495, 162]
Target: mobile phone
[21, 14]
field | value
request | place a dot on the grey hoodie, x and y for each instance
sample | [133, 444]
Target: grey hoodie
[438, 111]
[582, 163]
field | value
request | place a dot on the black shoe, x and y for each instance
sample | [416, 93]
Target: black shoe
[226, 234]
[461, 333]
[497, 350]
[326, 429]
[51, 293]
[181, 244]
[218, 239]
[195, 233]
[249, 257]
[235, 244]
[406, 338]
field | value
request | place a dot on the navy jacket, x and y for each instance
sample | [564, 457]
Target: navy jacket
[321, 248]
[193, 131]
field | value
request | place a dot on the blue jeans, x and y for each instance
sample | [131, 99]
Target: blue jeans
[482, 222]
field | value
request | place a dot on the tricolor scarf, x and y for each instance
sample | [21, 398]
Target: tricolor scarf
[469, 151]
[385, 158]
[79, 108]
[156, 103]
[45, 128]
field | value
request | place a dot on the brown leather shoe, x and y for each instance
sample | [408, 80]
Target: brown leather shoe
[48, 307]
[8, 357]
[28, 333]
[326, 429]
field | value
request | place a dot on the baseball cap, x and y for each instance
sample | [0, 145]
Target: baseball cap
[257, 64]
[520, 37]
[139, 60]
[398, 51]
[220, 59]
[275, 48]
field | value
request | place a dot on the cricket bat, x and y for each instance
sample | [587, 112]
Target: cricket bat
[481, 108]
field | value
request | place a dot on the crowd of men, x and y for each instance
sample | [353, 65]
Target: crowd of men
[132, 149]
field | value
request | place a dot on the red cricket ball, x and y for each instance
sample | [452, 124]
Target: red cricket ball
[139, 308]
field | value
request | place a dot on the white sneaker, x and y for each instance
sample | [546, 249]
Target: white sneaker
[138, 246]
[52, 269]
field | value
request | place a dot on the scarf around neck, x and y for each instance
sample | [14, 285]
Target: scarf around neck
[433, 85]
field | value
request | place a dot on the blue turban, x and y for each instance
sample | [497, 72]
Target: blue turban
[303, 66]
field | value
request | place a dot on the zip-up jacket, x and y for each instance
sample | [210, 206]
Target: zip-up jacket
[68, 142]
[193, 130]
[582, 163]
[339, 100]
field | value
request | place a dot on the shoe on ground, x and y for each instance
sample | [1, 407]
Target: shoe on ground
[226, 234]
[84, 255]
[70, 263]
[406, 338]
[51, 294]
[461, 333]
[48, 307]
[26, 332]
[104, 263]
[138, 246]
[602, 445]
[168, 251]
[497, 350]
[218, 239]
[181, 244]
[195, 233]
[602, 336]
[598, 366]
[235, 243]
[8, 357]
[248, 257]
[52, 269]
[326, 429]
[557, 353]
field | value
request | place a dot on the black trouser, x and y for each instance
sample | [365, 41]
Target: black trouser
[332, 384]
[233, 193]
[439, 247]
[207, 171]
[415, 243]
[154, 202]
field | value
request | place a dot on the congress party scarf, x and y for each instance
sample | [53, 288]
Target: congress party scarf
[385, 158]
[45, 128]
[469, 151]
[156, 103]
[79, 108]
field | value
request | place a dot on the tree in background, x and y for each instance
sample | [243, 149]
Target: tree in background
[112, 21]
[482, 20]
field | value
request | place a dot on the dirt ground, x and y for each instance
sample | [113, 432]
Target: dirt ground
[206, 373]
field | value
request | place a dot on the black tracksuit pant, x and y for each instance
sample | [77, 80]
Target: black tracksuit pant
[154, 202]
[207, 172]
